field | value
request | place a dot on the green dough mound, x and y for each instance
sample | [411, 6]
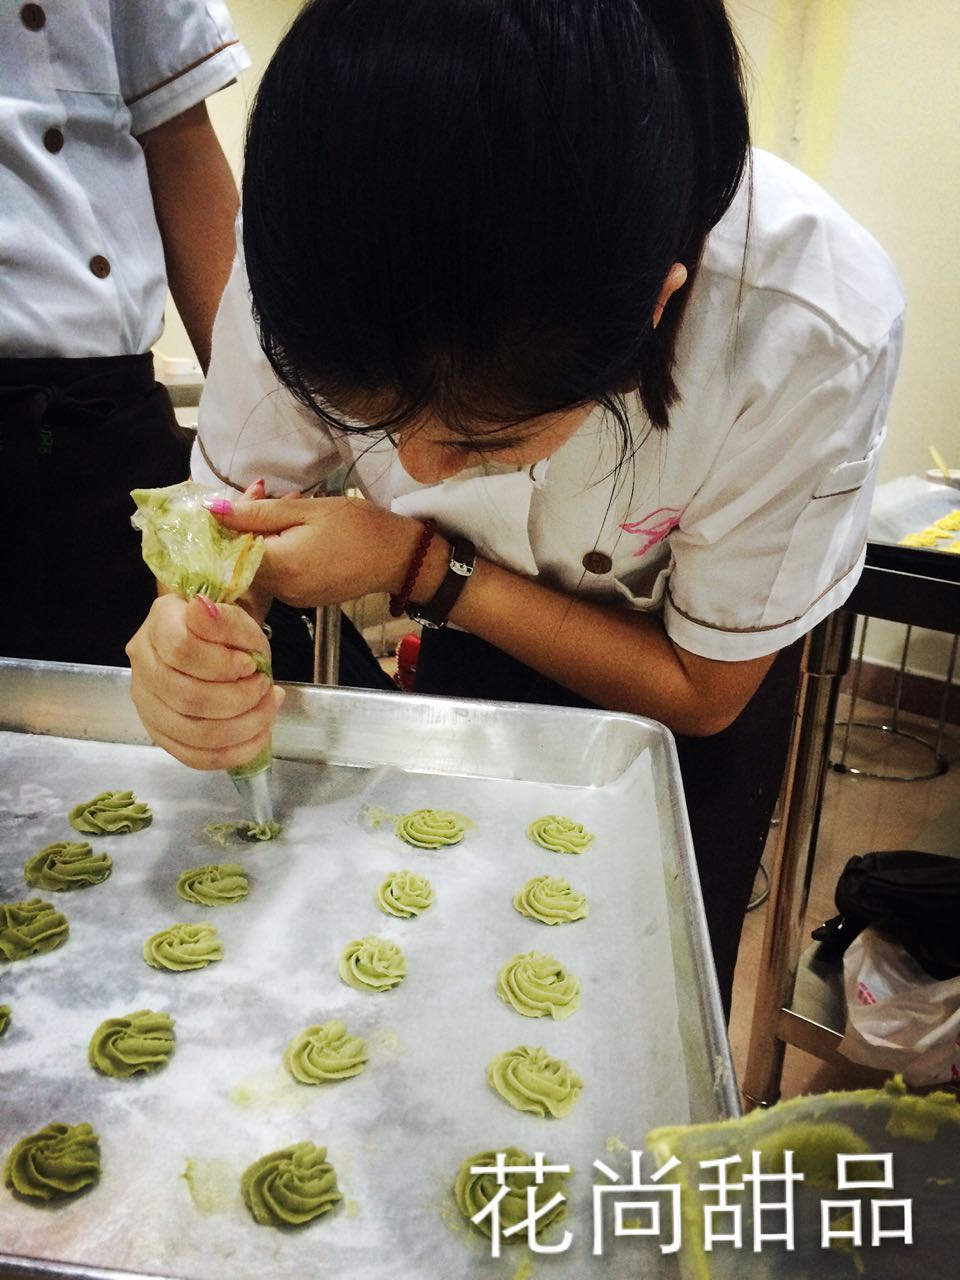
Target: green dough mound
[30, 928]
[111, 813]
[290, 1187]
[551, 900]
[372, 964]
[183, 946]
[65, 865]
[559, 835]
[224, 833]
[537, 985]
[474, 1191]
[323, 1053]
[531, 1080]
[4, 1017]
[134, 1043]
[56, 1162]
[431, 828]
[404, 894]
[215, 885]
[815, 1149]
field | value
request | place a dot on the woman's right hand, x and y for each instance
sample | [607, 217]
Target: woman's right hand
[195, 686]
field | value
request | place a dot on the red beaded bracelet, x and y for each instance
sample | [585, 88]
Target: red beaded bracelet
[399, 602]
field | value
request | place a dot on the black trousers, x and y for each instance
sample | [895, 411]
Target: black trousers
[731, 780]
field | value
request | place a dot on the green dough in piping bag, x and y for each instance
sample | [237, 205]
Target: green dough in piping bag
[54, 1163]
[214, 885]
[372, 964]
[30, 928]
[404, 894]
[559, 835]
[531, 1080]
[290, 1187]
[551, 901]
[4, 1017]
[474, 1191]
[324, 1053]
[64, 865]
[111, 813]
[137, 1042]
[430, 828]
[536, 985]
[183, 946]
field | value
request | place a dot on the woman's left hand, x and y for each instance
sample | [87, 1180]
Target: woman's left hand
[324, 550]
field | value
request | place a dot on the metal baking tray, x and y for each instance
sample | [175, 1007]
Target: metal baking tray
[648, 1039]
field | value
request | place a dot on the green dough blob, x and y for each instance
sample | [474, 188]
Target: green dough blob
[531, 1080]
[324, 1053]
[4, 1017]
[815, 1148]
[551, 901]
[137, 1042]
[290, 1187]
[372, 964]
[183, 946]
[215, 885]
[58, 1161]
[474, 1191]
[223, 833]
[537, 985]
[111, 813]
[559, 835]
[30, 928]
[64, 865]
[431, 828]
[404, 894]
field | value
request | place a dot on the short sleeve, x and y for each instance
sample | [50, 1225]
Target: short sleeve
[774, 540]
[171, 55]
[250, 427]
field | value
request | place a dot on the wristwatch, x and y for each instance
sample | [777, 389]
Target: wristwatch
[436, 611]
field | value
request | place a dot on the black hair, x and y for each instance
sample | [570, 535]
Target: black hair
[470, 206]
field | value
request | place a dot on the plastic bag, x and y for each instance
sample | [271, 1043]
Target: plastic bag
[898, 1017]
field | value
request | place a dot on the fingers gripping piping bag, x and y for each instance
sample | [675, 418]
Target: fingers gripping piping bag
[190, 554]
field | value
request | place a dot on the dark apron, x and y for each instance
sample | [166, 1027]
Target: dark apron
[731, 780]
[75, 437]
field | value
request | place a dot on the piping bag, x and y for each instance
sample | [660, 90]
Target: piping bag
[190, 553]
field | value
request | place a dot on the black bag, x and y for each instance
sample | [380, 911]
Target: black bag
[912, 897]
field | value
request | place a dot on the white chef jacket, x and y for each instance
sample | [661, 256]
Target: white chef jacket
[743, 524]
[80, 80]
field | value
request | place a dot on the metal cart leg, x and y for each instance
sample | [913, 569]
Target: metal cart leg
[826, 660]
[326, 645]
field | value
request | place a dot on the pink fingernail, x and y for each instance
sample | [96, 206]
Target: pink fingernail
[218, 506]
[208, 604]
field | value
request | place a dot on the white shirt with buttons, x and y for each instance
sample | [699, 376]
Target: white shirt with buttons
[743, 525]
[83, 270]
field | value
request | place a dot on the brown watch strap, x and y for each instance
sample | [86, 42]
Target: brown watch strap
[435, 612]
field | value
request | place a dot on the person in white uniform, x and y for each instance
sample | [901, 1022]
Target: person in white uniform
[112, 181]
[614, 386]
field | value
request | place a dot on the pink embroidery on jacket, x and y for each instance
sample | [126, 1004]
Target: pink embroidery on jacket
[654, 527]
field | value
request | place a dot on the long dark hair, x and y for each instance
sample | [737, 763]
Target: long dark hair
[469, 206]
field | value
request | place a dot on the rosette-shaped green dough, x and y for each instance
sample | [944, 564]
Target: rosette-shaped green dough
[214, 885]
[137, 1042]
[57, 1161]
[111, 813]
[64, 865]
[4, 1017]
[183, 946]
[290, 1187]
[30, 928]
[537, 985]
[531, 1080]
[551, 901]
[559, 835]
[430, 828]
[405, 894]
[474, 1191]
[372, 964]
[324, 1053]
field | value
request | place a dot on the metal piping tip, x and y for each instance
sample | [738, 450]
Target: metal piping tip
[255, 794]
